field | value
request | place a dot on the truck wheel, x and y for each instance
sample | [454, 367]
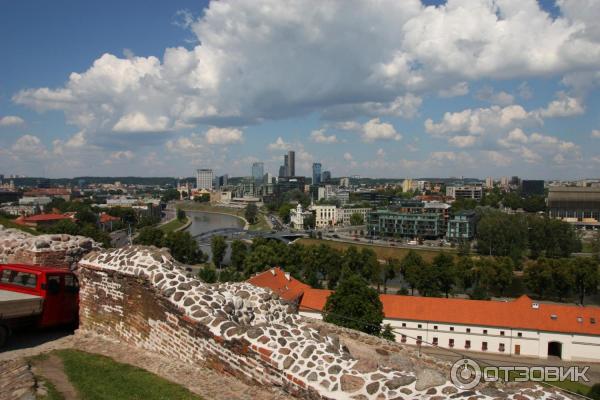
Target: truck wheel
[3, 336]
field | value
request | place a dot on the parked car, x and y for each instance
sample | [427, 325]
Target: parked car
[36, 297]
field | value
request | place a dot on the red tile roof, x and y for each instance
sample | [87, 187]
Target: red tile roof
[104, 218]
[43, 217]
[516, 314]
[281, 283]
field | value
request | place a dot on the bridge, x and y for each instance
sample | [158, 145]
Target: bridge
[239, 233]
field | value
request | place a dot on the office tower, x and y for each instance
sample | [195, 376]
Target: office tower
[204, 179]
[291, 163]
[316, 173]
[258, 171]
[281, 171]
[345, 182]
[325, 176]
[489, 182]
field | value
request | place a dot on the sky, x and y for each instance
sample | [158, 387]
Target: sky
[380, 88]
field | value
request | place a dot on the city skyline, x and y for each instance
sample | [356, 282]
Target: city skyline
[167, 90]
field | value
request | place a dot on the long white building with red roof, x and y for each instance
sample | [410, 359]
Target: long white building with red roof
[520, 327]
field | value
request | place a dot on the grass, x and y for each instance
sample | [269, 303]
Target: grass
[8, 223]
[173, 225]
[100, 378]
[586, 247]
[52, 393]
[382, 252]
[575, 387]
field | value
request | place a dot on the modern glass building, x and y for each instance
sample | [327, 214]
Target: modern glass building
[316, 173]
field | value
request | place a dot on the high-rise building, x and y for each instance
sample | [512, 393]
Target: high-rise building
[204, 179]
[504, 181]
[291, 163]
[281, 171]
[531, 187]
[325, 176]
[258, 171]
[316, 173]
[286, 165]
[345, 182]
[489, 182]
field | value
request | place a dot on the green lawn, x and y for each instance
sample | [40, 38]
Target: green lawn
[173, 225]
[8, 223]
[100, 378]
[383, 252]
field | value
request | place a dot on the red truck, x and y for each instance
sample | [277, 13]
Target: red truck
[34, 296]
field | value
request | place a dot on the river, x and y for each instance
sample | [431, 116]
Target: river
[205, 221]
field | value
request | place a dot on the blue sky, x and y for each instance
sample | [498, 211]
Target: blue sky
[380, 89]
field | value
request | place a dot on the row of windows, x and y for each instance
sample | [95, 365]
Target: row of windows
[484, 345]
[467, 330]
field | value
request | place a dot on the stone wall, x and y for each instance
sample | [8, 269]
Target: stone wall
[141, 296]
[61, 251]
[16, 381]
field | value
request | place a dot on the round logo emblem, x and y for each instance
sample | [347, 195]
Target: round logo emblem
[465, 374]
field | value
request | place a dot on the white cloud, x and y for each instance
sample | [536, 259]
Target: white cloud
[564, 106]
[463, 141]
[596, 134]
[537, 147]
[122, 155]
[11, 120]
[380, 153]
[139, 122]
[319, 136]
[377, 130]
[348, 157]
[224, 136]
[502, 98]
[279, 145]
[480, 120]
[459, 89]
[242, 70]
[29, 146]
[186, 145]
[497, 158]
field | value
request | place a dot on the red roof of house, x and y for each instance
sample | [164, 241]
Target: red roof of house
[281, 283]
[104, 218]
[517, 314]
[43, 217]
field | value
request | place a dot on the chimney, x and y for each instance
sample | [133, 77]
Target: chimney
[287, 276]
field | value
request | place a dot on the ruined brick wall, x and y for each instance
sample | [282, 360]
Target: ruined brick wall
[61, 251]
[141, 296]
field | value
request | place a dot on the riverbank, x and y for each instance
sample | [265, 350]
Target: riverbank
[175, 225]
[261, 225]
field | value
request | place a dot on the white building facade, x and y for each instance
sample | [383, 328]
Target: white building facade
[204, 179]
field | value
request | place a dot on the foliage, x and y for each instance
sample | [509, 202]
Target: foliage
[309, 221]
[239, 250]
[70, 227]
[410, 266]
[464, 204]
[182, 245]
[388, 333]
[356, 219]
[585, 276]
[181, 215]
[207, 274]
[170, 195]
[284, 212]
[444, 272]
[251, 213]
[149, 236]
[218, 247]
[500, 234]
[202, 198]
[355, 305]
[552, 238]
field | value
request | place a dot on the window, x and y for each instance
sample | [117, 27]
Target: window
[554, 317]
[451, 343]
[71, 284]
[485, 331]
[484, 346]
[501, 347]
[580, 320]
[404, 324]
[435, 327]
[18, 278]
[451, 328]
[403, 339]
[520, 334]
[53, 284]
[468, 330]
[501, 333]
[419, 326]
[435, 341]
[592, 320]
[467, 344]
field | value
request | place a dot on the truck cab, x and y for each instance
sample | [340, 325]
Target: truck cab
[24, 287]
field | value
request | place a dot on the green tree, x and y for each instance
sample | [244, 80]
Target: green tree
[411, 266]
[239, 250]
[500, 234]
[150, 236]
[538, 277]
[207, 274]
[503, 274]
[464, 272]
[585, 276]
[355, 305]
[445, 274]
[184, 248]
[251, 213]
[284, 212]
[428, 283]
[356, 219]
[562, 277]
[170, 195]
[309, 221]
[388, 333]
[218, 246]
[260, 258]
[390, 268]
[181, 215]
